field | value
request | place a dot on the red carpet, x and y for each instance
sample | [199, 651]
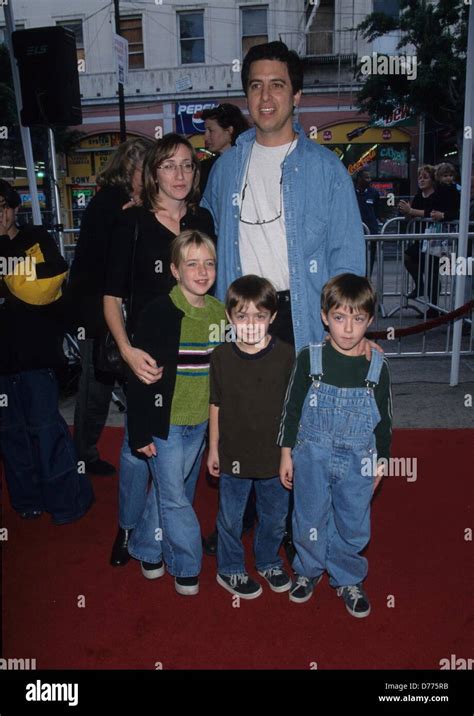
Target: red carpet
[419, 561]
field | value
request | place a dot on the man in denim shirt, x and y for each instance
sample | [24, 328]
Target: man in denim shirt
[284, 207]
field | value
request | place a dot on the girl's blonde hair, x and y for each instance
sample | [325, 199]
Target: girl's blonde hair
[184, 240]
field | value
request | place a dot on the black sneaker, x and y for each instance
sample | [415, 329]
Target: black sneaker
[151, 570]
[100, 467]
[356, 600]
[240, 584]
[302, 588]
[187, 586]
[277, 578]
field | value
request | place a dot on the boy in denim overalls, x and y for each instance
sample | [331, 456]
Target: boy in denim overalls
[337, 415]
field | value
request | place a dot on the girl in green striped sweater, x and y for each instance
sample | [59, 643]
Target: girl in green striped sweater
[168, 420]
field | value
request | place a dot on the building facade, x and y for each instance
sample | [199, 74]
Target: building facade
[186, 56]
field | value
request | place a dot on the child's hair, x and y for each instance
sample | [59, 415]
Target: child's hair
[429, 169]
[351, 291]
[443, 169]
[183, 241]
[251, 288]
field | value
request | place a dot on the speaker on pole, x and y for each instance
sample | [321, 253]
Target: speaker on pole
[49, 79]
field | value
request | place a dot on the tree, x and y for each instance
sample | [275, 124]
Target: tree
[438, 34]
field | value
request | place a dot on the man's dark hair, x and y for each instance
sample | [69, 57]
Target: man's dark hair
[274, 51]
[251, 288]
[9, 194]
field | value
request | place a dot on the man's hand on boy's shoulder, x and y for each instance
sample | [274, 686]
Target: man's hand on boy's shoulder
[365, 348]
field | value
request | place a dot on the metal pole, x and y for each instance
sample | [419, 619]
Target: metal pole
[24, 131]
[421, 141]
[465, 194]
[56, 201]
[123, 129]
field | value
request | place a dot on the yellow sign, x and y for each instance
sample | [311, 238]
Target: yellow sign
[79, 165]
[101, 159]
[337, 134]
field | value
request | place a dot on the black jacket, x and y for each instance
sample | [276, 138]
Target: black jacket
[87, 276]
[157, 332]
[32, 315]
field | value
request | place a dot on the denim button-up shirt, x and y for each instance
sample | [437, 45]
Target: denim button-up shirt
[322, 220]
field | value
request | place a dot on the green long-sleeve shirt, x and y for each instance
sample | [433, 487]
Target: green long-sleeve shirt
[344, 372]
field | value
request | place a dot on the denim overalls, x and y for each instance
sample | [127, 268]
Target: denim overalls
[332, 490]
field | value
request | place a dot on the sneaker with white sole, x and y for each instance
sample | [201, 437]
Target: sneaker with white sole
[151, 570]
[277, 579]
[303, 587]
[240, 584]
[187, 586]
[356, 600]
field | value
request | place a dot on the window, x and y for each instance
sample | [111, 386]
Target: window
[131, 29]
[254, 27]
[388, 7]
[76, 27]
[191, 36]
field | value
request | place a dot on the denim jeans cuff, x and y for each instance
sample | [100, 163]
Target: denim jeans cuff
[150, 558]
[229, 571]
[273, 565]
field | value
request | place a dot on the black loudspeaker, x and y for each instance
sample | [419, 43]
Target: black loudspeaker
[49, 79]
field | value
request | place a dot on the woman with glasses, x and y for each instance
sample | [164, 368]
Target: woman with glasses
[223, 124]
[139, 266]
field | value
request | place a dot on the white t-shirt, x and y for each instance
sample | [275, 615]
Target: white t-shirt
[263, 248]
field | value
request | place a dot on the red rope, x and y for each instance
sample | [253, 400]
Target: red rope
[426, 326]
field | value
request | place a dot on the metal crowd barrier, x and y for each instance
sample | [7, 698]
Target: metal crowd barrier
[425, 293]
[399, 307]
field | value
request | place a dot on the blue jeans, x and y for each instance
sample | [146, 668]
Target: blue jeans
[133, 485]
[169, 528]
[272, 509]
[40, 461]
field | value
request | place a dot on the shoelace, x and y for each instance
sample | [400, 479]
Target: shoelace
[302, 581]
[273, 572]
[242, 578]
[354, 592]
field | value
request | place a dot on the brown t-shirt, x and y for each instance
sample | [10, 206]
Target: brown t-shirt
[249, 390]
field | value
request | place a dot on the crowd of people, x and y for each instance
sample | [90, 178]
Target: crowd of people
[246, 301]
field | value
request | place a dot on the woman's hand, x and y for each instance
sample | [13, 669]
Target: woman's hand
[142, 364]
[405, 207]
[437, 215]
[148, 450]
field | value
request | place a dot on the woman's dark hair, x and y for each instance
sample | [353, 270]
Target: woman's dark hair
[9, 194]
[162, 150]
[121, 166]
[274, 51]
[227, 115]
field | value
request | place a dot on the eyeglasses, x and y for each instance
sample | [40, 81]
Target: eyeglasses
[172, 167]
[260, 222]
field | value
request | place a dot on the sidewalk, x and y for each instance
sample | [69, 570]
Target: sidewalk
[422, 397]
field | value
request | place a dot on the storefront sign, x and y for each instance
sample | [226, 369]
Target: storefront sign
[188, 116]
[365, 159]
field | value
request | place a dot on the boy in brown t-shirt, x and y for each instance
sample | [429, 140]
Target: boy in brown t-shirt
[248, 380]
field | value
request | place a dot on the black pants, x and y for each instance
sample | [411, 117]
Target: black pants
[92, 405]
